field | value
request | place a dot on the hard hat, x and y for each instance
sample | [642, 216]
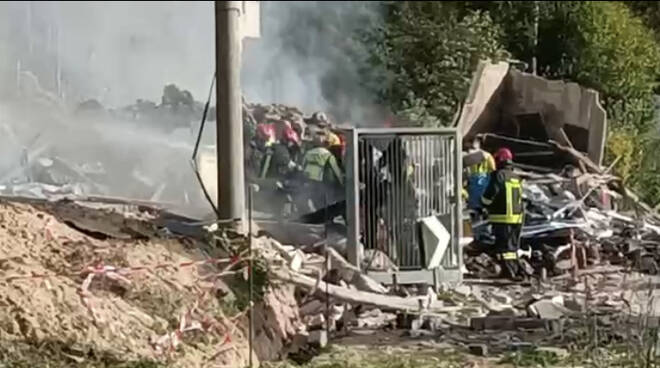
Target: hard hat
[320, 117]
[333, 139]
[503, 155]
[266, 131]
[292, 136]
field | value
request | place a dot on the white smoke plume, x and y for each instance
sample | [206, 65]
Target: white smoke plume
[118, 52]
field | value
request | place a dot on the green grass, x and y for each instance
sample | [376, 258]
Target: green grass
[531, 359]
[361, 357]
[57, 354]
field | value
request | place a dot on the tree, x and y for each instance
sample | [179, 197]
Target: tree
[604, 46]
[428, 52]
[648, 11]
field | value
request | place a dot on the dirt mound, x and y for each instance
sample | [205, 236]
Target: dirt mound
[113, 298]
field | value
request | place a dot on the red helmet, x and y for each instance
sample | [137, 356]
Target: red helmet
[290, 135]
[266, 132]
[503, 155]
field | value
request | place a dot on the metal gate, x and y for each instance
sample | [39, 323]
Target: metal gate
[394, 178]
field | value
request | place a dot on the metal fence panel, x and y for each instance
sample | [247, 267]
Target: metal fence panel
[394, 178]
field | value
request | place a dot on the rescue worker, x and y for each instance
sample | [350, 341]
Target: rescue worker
[282, 152]
[334, 145]
[478, 174]
[503, 199]
[325, 179]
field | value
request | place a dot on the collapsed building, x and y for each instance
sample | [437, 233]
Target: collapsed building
[400, 240]
[504, 101]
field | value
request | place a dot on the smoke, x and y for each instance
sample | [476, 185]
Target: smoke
[122, 51]
[309, 56]
[118, 52]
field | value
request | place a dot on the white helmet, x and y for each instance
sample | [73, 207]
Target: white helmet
[320, 117]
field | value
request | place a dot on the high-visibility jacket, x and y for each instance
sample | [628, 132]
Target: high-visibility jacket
[486, 166]
[503, 197]
[316, 163]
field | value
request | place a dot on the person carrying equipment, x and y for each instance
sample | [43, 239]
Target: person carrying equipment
[503, 199]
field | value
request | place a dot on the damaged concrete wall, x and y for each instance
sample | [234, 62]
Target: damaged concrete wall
[484, 98]
[561, 105]
[506, 101]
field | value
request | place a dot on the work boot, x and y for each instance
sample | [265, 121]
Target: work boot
[511, 271]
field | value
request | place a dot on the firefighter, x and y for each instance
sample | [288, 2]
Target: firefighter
[282, 151]
[334, 145]
[503, 199]
[322, 173]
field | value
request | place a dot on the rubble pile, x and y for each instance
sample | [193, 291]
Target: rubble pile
[488, 317]
[86, 281]
[575, 218]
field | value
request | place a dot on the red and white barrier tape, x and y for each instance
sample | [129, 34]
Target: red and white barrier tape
[195, 320]
[191, 320]
[100, 269]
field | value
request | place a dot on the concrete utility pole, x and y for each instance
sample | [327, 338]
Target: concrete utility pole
[229, 128]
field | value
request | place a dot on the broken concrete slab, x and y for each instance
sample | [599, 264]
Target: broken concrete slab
[355, 296]
[548, 309]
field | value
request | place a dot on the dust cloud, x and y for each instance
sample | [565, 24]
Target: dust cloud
[59, 54]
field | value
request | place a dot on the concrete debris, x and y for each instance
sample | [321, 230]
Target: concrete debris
[375, 318]
[548, 309]
[570, 221]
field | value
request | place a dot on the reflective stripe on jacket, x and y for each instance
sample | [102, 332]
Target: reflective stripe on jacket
[503, 197]
[315, 163]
